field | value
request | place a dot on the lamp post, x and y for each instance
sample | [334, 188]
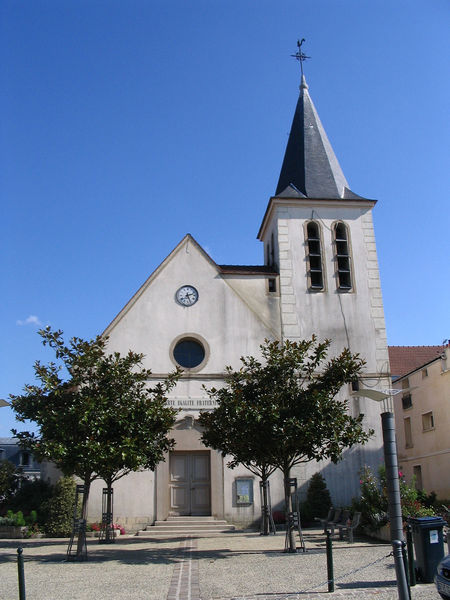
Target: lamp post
[4, 402]
[392, 482]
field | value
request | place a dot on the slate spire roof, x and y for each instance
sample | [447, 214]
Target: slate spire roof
[310, 168]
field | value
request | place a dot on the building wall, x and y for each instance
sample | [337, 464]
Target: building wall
[353, 319]
[233, 316]
[430, 446]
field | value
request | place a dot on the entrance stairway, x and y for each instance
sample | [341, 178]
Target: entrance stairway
[186, 526]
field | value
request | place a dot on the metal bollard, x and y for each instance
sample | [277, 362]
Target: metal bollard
[21, 574]
[406, 567]
[330, 571]
[410, 547]
[402, 585]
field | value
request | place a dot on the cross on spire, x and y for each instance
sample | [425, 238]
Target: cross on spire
[299, 55]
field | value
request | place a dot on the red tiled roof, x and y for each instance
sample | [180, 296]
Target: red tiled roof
[405, 359]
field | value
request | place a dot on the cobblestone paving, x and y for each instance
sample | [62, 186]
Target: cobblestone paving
[229, 567]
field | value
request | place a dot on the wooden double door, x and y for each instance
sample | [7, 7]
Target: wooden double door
[190, 483]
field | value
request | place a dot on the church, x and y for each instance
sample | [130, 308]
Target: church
[319, 276]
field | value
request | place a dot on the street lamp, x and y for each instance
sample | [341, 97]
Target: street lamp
[4, 402]
[392, 481]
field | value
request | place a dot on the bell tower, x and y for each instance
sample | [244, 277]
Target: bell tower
[319, 235]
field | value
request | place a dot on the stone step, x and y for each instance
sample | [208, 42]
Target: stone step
[191, 518]
[155, 532]
[188, 528]
[186, 522]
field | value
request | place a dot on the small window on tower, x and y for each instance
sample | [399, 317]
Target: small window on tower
[272, 284]
[314, 249]
[343, 258]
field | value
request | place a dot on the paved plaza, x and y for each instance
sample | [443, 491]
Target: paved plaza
[233, 566]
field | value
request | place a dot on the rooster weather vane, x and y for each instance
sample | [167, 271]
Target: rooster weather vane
[299, 55]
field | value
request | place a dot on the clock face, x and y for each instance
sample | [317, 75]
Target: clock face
[187, 295]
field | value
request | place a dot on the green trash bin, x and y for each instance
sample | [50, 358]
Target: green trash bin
[428, 545]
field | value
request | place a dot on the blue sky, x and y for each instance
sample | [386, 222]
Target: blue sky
[126, 125]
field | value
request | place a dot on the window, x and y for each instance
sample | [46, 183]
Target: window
[424, 373]
[417, 470]
[427, 421]
[343, 259]
[408, 432]
[406, 401]
[25, 459]
[272, 284]
[189, 353]
[272, 251]
[406, 396]
[315, 271]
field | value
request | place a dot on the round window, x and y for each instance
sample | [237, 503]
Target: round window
[188, 353]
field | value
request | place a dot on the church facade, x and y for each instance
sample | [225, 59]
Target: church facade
[320, 276]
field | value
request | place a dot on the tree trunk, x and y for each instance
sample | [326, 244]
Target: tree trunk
[265, 508]
[290, 532]
[81, 542]
[109, 534]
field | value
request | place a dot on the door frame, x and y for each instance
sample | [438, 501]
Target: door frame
[187, 436]
[190, 454]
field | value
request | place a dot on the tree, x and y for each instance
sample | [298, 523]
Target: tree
[239, 430]
[288, 402]
[10, 478]
[96, 415]
[318, 499]
[135, 418]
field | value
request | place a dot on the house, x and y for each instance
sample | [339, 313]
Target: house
[23, 459]
[422, 415]
[319, 275]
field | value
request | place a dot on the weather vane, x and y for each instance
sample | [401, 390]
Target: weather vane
[299, 55]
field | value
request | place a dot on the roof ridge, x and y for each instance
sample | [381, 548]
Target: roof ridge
[419, 346]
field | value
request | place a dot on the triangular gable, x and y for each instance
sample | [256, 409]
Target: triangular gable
[187, 239]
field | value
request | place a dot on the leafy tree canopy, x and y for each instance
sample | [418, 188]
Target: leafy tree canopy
[283, 410]
[10, 478]
[96, 414]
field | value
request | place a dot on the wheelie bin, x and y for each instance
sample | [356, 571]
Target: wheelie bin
[428, 545]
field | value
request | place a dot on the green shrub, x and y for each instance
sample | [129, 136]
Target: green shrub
[373, 503]
[318, 500]
[15, 519]
[59, 509]
[32, 518]
[32, 496]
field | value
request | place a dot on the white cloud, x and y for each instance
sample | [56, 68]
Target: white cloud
[31, 320]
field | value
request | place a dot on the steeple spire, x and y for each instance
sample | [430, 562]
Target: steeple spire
[310, 168]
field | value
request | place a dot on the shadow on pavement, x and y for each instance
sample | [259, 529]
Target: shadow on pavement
[366, 584]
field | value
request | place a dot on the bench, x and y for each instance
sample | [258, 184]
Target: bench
[349, 527]
[328, 519]
[342, 521]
